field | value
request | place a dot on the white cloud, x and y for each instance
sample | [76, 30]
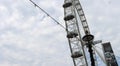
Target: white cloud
[30, 38]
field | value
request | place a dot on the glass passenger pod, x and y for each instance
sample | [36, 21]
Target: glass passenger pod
[72, 34]
[76, 54]
[68, 4]
[69, 17]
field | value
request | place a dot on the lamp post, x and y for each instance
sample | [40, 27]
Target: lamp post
[89, 40]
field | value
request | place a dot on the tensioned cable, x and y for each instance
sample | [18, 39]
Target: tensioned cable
[47, 14]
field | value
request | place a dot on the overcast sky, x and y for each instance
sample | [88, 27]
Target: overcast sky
[28, 37]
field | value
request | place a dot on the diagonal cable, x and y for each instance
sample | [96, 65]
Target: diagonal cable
[47, 13]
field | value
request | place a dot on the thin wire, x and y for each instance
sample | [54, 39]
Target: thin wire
[47, 14]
